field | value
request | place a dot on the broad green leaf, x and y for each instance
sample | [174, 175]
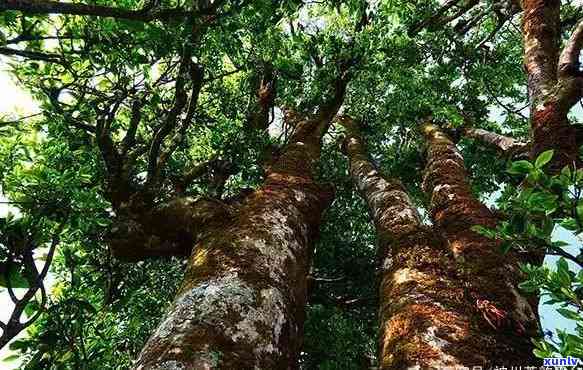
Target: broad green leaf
[16, 278]
[544, 158]
[520, 168]
[571, 315]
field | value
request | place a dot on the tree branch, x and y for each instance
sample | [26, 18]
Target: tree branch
[171, 229]
[569, 59]
[263, 98]
[56, 7]
[196, 76]
[169, 123]
[130, 137]
[418, 27]
[13, 326]
[504, 144]
[33, 55]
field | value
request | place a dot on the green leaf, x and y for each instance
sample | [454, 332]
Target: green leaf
[579, 210]
[559, 244]
[505, 246]
[529, 286]
[11, 358]
[31, 308]
[489, 233]
[571, 315]
[520, 168]
[569, 223]
[566, 171]
[563, 272]
[18, 344]
[538, 353]
[544, 158]
[16, 278]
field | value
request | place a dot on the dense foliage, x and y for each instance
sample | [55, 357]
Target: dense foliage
[91, 75]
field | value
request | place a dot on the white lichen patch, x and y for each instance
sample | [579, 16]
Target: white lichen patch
[442, 187]
[400, 214]
[299, 196]
[387, 263]
[269, 314]
[214, 304]
[207, 303]
[169, 365]
[440, 345]
[406, 274]
[273, 256]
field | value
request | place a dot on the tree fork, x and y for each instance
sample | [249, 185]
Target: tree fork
[241, 303]
[424, 319]
[554, 81]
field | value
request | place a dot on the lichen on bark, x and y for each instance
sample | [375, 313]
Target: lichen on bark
[241, 303]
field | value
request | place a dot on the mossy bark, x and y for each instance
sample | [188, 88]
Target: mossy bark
[429, 314]
[554, 84]
[241, 304]
[421, 317]
[504, 320]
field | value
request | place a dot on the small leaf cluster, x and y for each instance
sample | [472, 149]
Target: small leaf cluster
[541, 207]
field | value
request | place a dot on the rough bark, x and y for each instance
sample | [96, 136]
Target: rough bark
[430, 315]
[505, 319]
[167, 230]
[423, 317]
[554, 82]
[241, 303]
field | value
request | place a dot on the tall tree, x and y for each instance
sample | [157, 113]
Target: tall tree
[490, 277]
[449, 301]
[423, 318]
[242, 301]
[157, 136]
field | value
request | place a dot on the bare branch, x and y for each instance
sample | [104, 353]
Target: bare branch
[196, 75]
[130, 137]
[415, 29]
[18, 120]
[13, 326]
[263, 98]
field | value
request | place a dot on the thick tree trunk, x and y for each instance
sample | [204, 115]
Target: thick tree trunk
[554, 82]
[242, 301]
[241, 304]
[423, 317]
[431, 316]
[505, 319]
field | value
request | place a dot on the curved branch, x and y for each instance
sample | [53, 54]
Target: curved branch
[504, 144]
[13, 326]
[169, 123]
[569, 59]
